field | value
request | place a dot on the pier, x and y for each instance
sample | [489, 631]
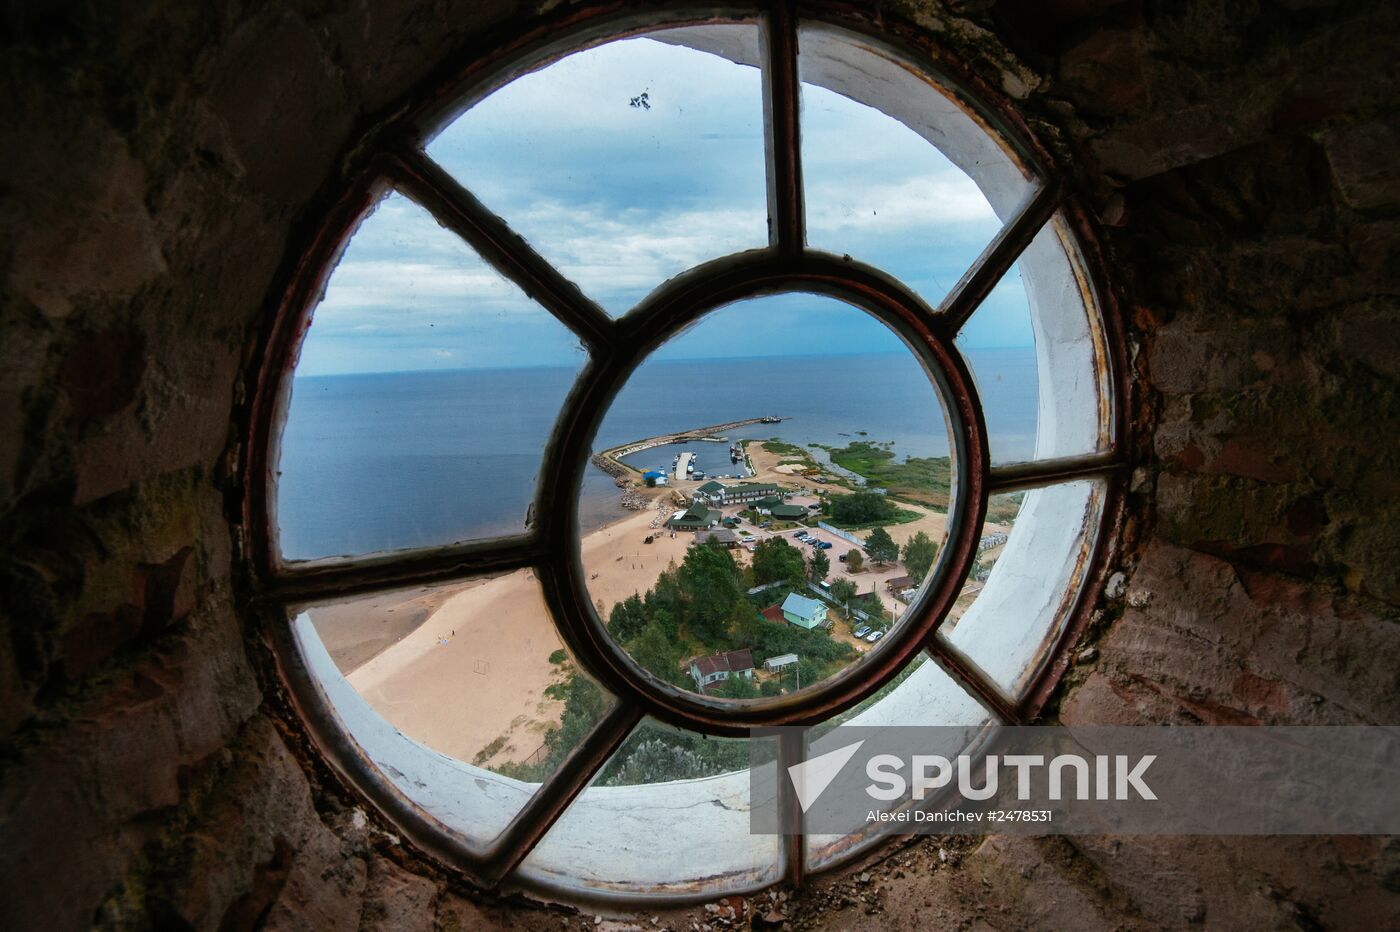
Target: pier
[610, 460]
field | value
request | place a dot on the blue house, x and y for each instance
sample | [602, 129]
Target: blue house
[804, 612]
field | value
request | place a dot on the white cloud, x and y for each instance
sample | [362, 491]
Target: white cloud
[948, 199]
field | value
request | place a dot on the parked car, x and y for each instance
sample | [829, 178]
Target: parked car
[862, 631]
[874, 636]
[842, 558]
[799, 534]
[824, 545]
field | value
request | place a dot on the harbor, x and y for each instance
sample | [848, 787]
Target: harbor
[611, 460]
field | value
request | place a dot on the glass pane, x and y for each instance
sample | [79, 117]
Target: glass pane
[999, 346]
[785, 479]
[1030, 581]
[425, 390]
[922, 695]
[897, 175]
[1034, 348]
[461, 695]
[671, 812]
[626, 163]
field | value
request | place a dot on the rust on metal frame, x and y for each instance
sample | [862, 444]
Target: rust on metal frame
[664, 313]
[307, 275]
[782, 110]
[558, 793]
[1005, 248]
[458, 210]
[792, 750]
[306, 279]
[1111, 354]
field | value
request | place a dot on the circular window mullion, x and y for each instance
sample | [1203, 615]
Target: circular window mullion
[559, 791]
[973, 681]
[782, 102]
[549, 542]
[1001, 253]
[396, 570]
[457, 209]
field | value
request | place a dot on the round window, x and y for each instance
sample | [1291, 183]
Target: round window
[661, 380]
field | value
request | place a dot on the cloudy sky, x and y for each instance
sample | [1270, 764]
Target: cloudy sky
[625, 165]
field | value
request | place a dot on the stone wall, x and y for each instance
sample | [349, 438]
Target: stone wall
[162, 158]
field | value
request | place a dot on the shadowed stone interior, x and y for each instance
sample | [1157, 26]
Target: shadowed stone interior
[163, 162]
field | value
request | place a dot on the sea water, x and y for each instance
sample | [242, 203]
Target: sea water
[384, 461]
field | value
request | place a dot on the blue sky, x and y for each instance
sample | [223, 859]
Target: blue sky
[621, 197]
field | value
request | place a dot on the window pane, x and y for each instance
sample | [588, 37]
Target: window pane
[672, 808]
[922, 695]
[1032, 347]
[461, 695]
[897, 175]
[999, 346]
[425, 390]
[626, 163]
[748, 558]
[1033, 580]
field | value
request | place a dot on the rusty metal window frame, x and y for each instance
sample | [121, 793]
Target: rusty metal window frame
[393, 158]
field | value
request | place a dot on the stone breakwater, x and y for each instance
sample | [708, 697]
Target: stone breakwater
[610, 460]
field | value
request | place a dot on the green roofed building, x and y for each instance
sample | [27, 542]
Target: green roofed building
[750, 492]
[788, 512]
[695, 518]
[711, 492]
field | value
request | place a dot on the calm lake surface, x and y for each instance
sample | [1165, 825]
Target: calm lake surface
[391, 460]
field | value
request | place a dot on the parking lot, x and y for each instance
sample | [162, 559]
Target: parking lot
[870, 579]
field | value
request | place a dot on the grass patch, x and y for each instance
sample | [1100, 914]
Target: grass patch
[901, 516]
[783, 448]
[1003, 509]
[490, 751]
[923, 480]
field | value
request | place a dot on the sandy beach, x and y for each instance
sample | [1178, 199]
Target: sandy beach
[472, 672]
[463, 668]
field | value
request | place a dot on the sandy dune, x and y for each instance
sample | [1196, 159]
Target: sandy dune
[474, 671]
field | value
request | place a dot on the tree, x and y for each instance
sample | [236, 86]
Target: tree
[919, 552]
[842, 590]
[873, 607]
[666, 596]
[819, 566]
[881, 546]
[775, 560]
[855, 560]
[747, 625]
[737, 687]
[627, 618]
[861, 508]
[655, 653]
[769, 688]
[709, 581]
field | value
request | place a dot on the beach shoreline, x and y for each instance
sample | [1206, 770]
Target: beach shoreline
[470, 676]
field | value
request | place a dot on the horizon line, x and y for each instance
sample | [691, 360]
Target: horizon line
[657, 359]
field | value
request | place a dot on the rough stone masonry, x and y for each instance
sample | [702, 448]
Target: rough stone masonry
[162, 159]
